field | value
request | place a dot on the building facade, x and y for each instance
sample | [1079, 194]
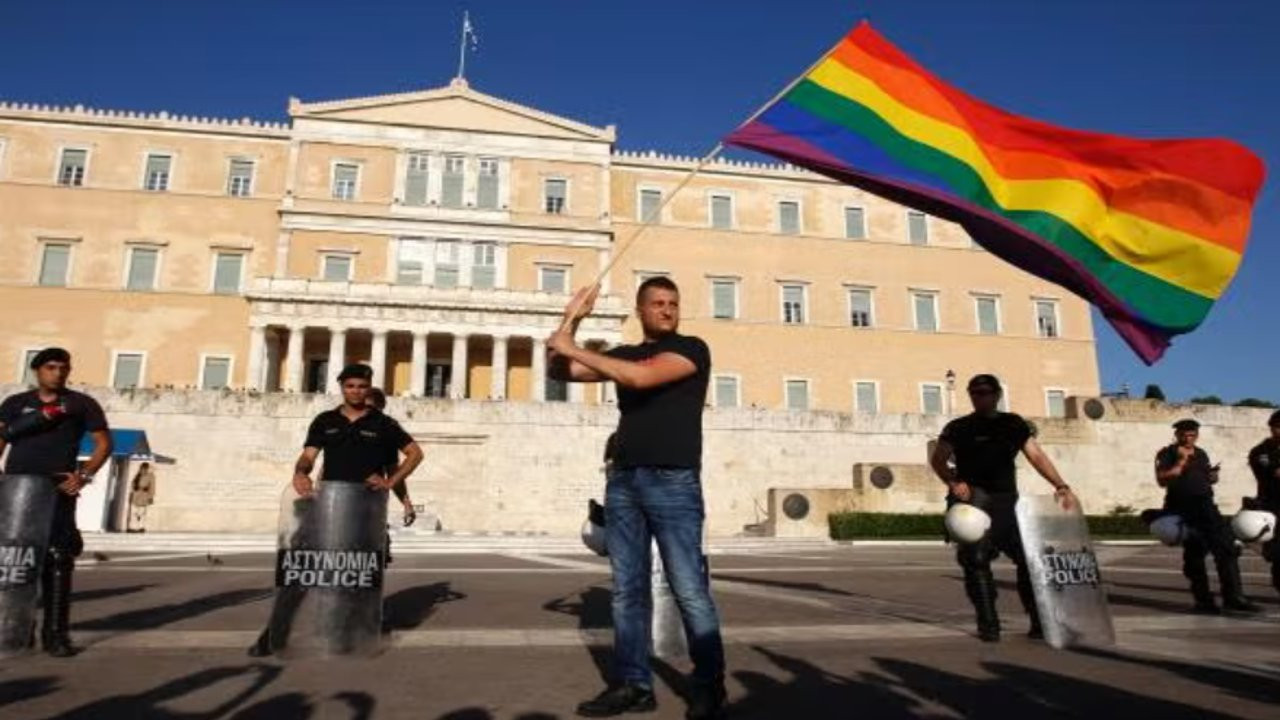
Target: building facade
[436, 235]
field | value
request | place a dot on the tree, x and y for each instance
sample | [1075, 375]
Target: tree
[1256, 403]
[1206, 400]
[1154, 393]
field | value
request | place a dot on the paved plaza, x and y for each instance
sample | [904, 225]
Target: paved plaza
[817, 631]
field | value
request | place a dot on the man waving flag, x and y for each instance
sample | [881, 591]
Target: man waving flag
[1149, 231]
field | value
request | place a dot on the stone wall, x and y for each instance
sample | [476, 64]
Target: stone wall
[529, 468]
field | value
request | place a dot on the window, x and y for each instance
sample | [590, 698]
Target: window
[1047, 318]
[855, 223]
[415, 178]
[228, 269]
[554, 192]
[336, 268]
[866, 397]
[1055, 402]
[451, 189]
[411, 260]
[446, 264]
[797, 392]
[724, 299]
[722, 212]
[156, 175]
[55, 264]
[789, 217]
[345, 176]
[71, 167]
[143, 262]
[988, 312]
[926, 311]
[127, 372]
[793, 304]
[484, 265]
[215, 372]
[726, 391]
[650, 205]
[487, 185]
[931, 399]
[553, 279]
[27, 374]
[917, 228]
[860, 307]
[240, 178]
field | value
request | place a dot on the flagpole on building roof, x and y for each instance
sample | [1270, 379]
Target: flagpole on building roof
[462, 44]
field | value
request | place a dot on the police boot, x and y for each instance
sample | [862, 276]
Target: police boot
[981, 588]
[1202, 594]
[1027, 595]
[56, 579]
[1233, 597]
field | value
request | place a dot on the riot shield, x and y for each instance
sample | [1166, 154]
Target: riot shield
[329, 566]
[26, 516]
[1064, 572]
[669, 642]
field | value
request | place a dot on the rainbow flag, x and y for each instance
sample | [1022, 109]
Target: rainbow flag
[1149, 231]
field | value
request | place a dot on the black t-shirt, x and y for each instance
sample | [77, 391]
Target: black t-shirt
[986, 447]
[1194, 482]
[662, 426]
[1264, 460]
[355, 450]
[51, 449]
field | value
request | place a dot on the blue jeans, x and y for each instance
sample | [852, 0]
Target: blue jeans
[665, 504]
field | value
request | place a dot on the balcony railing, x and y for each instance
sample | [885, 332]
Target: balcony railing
[267, 288]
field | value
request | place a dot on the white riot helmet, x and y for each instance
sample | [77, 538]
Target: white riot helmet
[594, 538]
[967, 523]
[1169, 529]
[1252, 526]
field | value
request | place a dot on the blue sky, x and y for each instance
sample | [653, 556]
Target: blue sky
[677, 75]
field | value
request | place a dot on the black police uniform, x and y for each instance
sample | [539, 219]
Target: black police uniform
[1190, 496]
[1264, 461]
[50, 447]
[985, 449]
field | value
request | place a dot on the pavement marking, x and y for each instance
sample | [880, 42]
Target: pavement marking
[1133, 632]
[89, 562]
[560, 566]
[558, 562]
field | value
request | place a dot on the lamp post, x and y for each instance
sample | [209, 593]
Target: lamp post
[951, 391]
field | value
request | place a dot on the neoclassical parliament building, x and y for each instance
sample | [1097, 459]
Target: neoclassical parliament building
[437, 235]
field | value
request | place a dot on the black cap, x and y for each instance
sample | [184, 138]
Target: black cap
[53, 354]
[1275, 419]
[356, 370]
[985, 380]
[1186, 424]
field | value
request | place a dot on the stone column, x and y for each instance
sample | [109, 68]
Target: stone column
[418, 373]
[458, 383]
[337, 358]
[293, 358]
[498, 381]
[271, 374]
[378, 357]
[538, 369]
[255, 375]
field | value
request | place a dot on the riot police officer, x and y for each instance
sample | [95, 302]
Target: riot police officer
[1187, 476]
[43, 428]
[984, 445]
[1264, 461]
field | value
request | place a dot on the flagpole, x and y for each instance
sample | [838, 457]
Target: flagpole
[623, 247]
[462, 47]
[626, 245]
